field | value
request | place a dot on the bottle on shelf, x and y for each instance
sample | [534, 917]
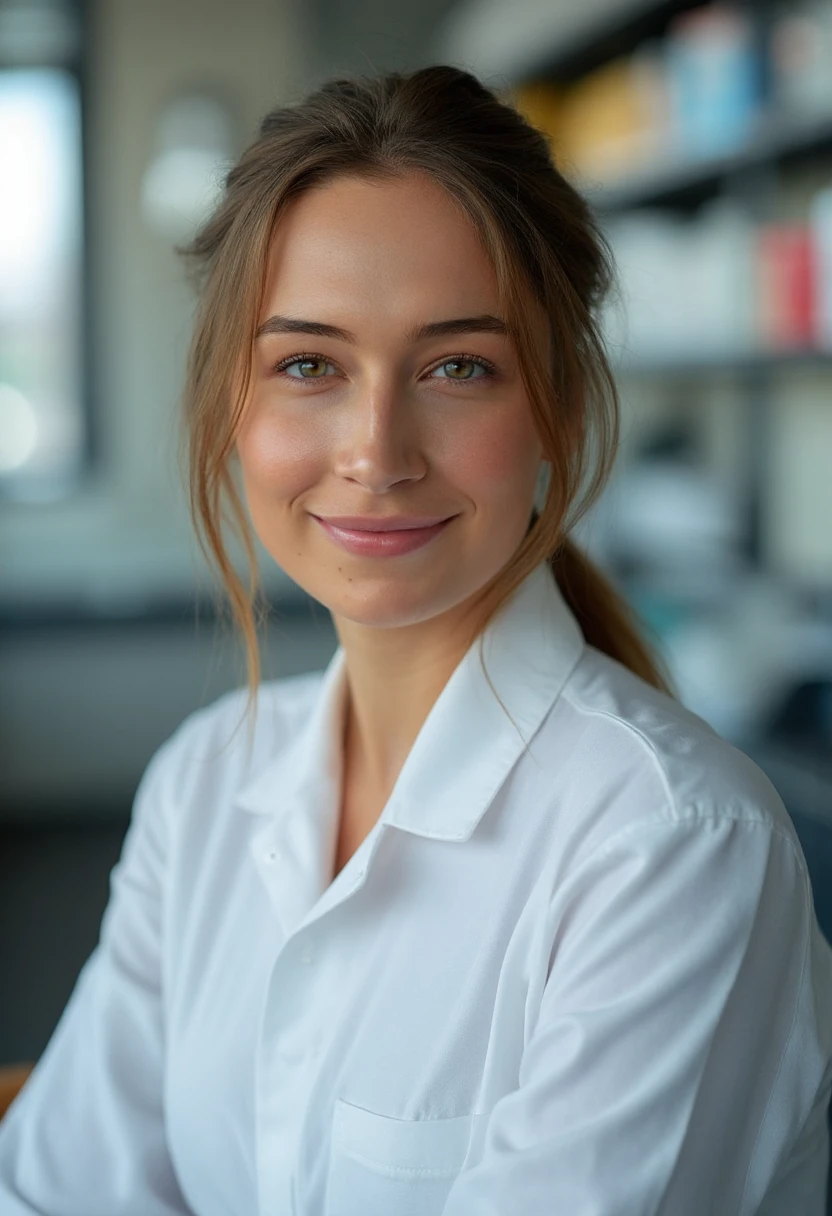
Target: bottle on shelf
[821, 227]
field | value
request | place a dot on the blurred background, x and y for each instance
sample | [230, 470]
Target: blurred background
[702, 135]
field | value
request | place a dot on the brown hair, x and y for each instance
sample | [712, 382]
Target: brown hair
[544, 245]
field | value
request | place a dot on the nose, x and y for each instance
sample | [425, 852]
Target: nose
[380, 445]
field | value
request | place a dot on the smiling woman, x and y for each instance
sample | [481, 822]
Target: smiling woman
[460, 929]
[398, 239]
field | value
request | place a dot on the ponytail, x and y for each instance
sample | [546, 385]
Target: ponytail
[606, 619]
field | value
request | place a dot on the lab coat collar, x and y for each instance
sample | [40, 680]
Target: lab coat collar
[467, 744]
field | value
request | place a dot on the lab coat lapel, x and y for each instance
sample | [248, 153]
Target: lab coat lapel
[299, 793]
[468, 744]
[462, 755]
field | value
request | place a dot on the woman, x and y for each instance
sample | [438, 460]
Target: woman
[479, 920]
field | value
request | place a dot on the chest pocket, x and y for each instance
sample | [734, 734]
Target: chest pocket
[381, 1166]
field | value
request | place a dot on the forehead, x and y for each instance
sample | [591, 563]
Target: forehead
[379, 245]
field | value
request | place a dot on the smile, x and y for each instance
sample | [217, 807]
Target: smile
[387, 543]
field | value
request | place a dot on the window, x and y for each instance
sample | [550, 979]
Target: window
[43, 424]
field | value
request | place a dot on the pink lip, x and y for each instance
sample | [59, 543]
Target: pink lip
[383, 540]
[384, 523]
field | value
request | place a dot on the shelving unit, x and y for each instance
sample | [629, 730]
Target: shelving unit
[751, 363]
[779, 141]
[548, 38]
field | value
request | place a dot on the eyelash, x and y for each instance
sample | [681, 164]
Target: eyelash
[308, 356]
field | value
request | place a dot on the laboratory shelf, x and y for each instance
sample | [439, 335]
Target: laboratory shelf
[745, 364]
[776, 141]
[547, 38]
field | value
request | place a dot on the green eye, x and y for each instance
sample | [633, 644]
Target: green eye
[457, 363]
[314, 367]
[320, 364]
[477, 368]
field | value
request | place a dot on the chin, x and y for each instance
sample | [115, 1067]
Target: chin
[385, 599]
[381, 604]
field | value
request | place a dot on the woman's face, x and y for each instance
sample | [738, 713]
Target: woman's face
[358, 409]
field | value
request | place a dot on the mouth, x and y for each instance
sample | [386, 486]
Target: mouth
[382, 538]
[390, 523]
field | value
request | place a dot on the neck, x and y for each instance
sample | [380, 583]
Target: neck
[394, 677]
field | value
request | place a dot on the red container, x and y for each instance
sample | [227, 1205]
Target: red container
[787, 287]
[787, 281]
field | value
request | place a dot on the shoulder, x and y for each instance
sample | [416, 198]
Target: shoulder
[663, 818]
[218, 747]
[643, 760]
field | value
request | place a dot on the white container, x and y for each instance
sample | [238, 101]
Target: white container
[801, 53]
[821, 222]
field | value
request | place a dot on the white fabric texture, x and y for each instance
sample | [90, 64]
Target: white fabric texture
[574, 968]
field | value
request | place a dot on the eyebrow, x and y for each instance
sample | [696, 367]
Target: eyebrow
[486, 323]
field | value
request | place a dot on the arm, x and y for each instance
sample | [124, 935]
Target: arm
[86, 1134]
[680, 951]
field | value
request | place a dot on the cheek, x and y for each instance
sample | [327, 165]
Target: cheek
[278, 457]
[498, 459]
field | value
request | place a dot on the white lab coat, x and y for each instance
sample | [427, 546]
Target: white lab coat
[580, 978]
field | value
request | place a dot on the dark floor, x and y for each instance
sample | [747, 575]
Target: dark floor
[54, 884]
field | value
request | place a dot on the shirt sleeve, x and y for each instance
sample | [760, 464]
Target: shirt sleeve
[86, 1134]
[678, 955]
